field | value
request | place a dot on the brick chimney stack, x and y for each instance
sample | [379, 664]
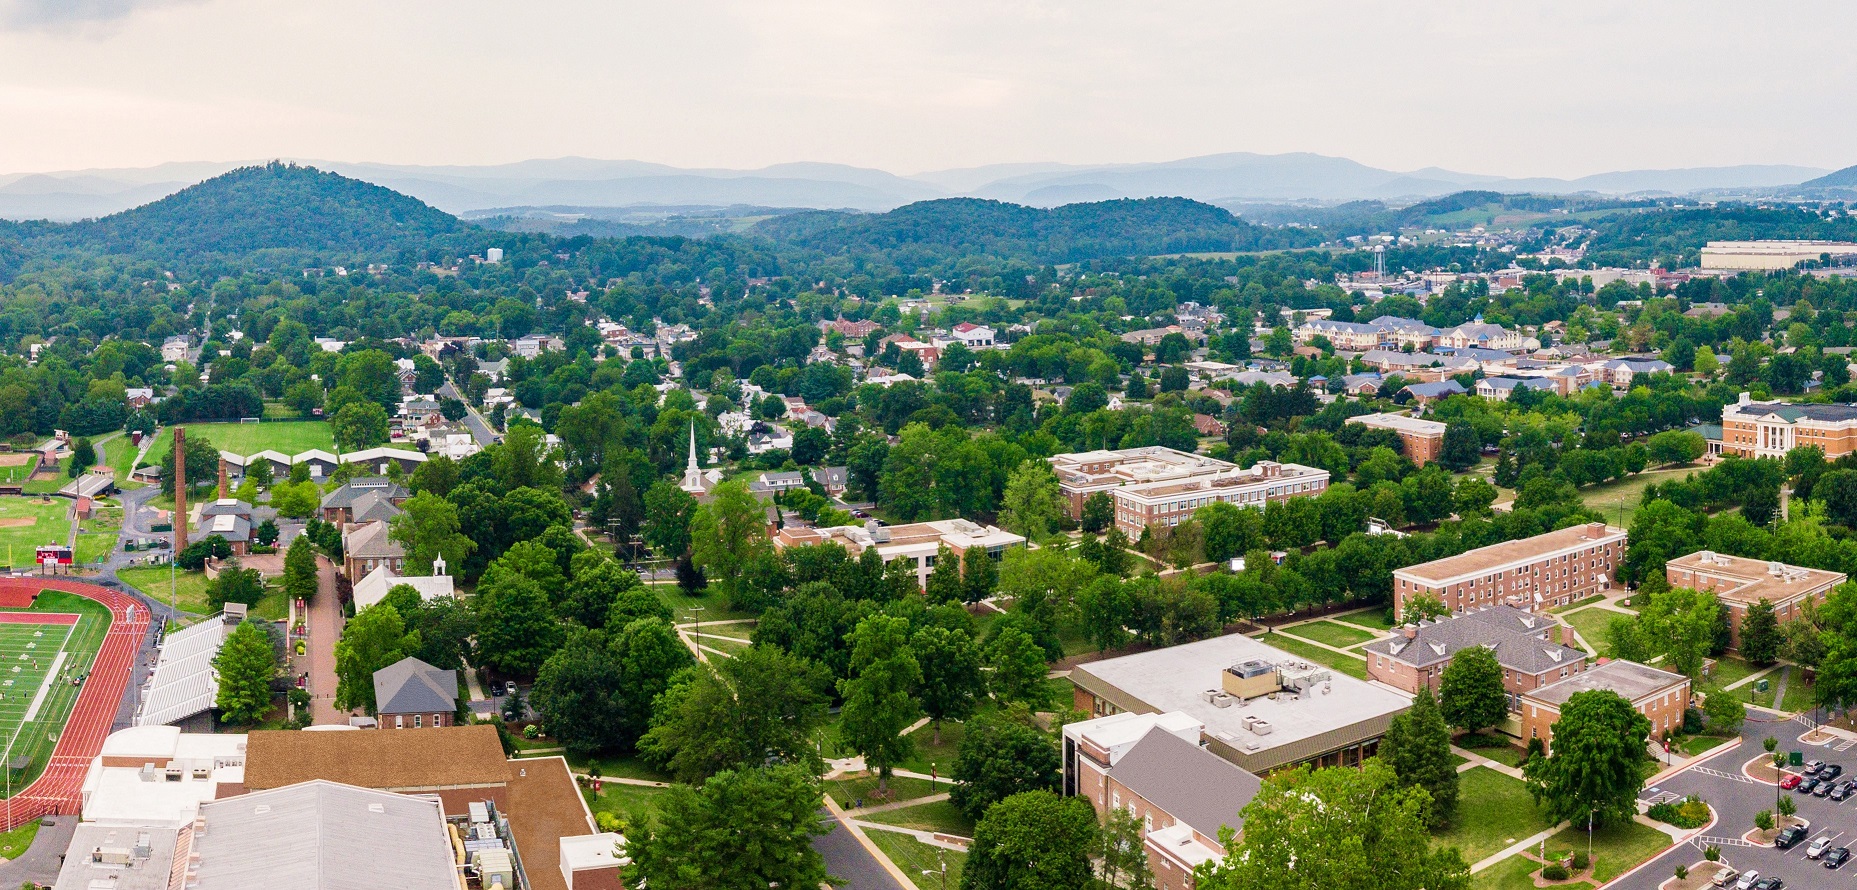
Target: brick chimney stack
[180, 491]
[1566, 636]
[222, 480]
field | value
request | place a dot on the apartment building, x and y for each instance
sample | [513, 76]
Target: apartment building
[1499, 389]
[1152, 767]
[1481, 335]
[1769, 255]
[1349, 335]
[1534, 650]
[1550, 569]
[1770, 429]
[1162, 486]
[918, 542]
[1423, 439]
[1738, 583]
[1661, 696]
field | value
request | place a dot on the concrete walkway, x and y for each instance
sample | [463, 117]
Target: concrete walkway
[325, 628]
[898, 805]
[1517, 847]
[1475, 760]
[933, 839]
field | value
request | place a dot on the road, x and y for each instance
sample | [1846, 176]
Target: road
[473, 421]
[848, 861]
[325, 627]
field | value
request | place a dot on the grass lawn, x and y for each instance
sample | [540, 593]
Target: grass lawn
[628, 802]
[15, 842]
[119, 455]
[1595, 598]
[1340, 636]
[1798, 695]
[714, 609]
[190, 587]
[97, 535]
[937, 815]
[848, 791]
[1591, 623]
[26, 523]
[249, 438]
[1618, 501]
[19, 466]
[1372, 619]
[940, 756]
[623, 767]
[1515, 873]
[32, 649]
[915, 857]
[1493, 811]
[1494, 746]
[1347, 664]
[726, 645]
[1616, 849]
[1729, 669]
[1696, 744]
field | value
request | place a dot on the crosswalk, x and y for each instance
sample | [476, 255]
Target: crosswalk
[1704, 841]
[1711, 771]
[1845, 745]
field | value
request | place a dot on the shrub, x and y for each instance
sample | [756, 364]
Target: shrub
[1763, 820]
[1712, 853]
[1581, 860]
[1691, 813]
[1682, 871]
[1787, 807]
[1554, 872]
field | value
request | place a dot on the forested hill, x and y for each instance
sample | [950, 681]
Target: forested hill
[928, 230]
[1843, 179]
[255, 213]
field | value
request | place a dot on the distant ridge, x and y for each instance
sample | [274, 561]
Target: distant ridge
[1845, 178]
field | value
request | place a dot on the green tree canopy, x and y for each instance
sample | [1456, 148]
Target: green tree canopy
[246, 665]
[1472, 697]
[744, 829]
[1594, 770]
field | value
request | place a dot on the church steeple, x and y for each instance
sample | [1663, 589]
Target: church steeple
[693, 475]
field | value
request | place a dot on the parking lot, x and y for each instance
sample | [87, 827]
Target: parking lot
[1736, 798]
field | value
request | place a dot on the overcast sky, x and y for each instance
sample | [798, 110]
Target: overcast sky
[1537, 89]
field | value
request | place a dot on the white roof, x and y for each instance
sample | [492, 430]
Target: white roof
[591, 851]
[367, 454]
[324, 836]
[184, 683]
[379, 582]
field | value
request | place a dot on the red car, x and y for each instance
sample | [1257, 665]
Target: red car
[1790, 782]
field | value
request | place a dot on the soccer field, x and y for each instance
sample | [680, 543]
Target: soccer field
[27, 522]
[42, 651]
[249, 438]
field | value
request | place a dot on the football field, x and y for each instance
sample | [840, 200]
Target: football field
[44, 652]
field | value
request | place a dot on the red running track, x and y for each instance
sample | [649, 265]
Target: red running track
[58, 790]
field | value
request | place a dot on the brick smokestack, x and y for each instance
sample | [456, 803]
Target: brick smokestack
[222, 480]
[180, 491]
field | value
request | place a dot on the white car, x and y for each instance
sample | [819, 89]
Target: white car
[1818, 848]
[1747, 880]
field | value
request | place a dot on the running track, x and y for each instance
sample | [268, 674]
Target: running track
[58, 790]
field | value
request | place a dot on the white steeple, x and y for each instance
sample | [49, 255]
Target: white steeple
[692, 474]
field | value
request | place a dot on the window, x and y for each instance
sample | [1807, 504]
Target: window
[419, 720]
[399, 722]
[435, 721]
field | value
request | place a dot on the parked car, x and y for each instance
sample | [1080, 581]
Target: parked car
[1813, 766]
[1837, 856]
[509, 687]
[1747, 880]
[1841, 792]
[1791, 781]
[1818, 848]
[1772, 883]
[1788, 837]
[1723, 877]
[1831, 771]
[1824, 788]
[1806, 787]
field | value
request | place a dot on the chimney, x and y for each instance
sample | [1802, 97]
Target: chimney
[222, 480]
[180, 492]
[1566, 636]
[1595, 529]
[1411, 631]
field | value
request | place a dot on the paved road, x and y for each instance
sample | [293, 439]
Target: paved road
[480, 429]
[1736, 801]
[848, 861]
[325, 627]
[41, 861]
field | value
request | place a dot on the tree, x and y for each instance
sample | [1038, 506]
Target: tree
[374, 639]
[83, 456]
[979, 574]
[1471, 690]
[1836, 488]
[245, 666]
[1461, 449]
[1418, 748]
[1334, 828]
[1031, 503]
[202, 464]
[951, 678]
[1676, 446]
[877, 703]
[300, 569]
[1599, 745]
[764, 704]
[668, 511]
[428, 528]
[359, 425]
[578, 695]
[743, 829]
[1725, 712]
[1034, 839]
[235, 585]
[1424, 607]
[516, 628]
[438, 475]
[727, 534]
[1760, 634]
[997, 758]
[1122, 853]
[1019, 666]
[944, 581]
[1098, 513]
[593, 596]
[1683, 623]
[1230, 530]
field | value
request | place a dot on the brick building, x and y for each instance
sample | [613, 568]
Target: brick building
[1423, 439]
[1551, 569]
[410, 694]
[1534, 650]
[1738, 583]
[1770, 429]
[1162, 486]
[1660, 696]
[918, 542]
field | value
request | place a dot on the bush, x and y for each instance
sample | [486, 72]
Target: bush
[1691, 813]
[1692, 721]
[1712, 853]
[1581, 860]
[1554, 872]
[1763, 820]
[1682, 871]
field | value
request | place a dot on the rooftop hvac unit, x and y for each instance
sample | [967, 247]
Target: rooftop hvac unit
[1222, 701]
[1209, 695]
[1776, 569]
[1707, 557]
[1249, 721]
[1262, 727]
[110, 855]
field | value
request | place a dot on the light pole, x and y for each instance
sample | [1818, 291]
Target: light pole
[696, 613]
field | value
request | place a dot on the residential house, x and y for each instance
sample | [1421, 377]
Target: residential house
[410, 694]
[1426, 393]
[833, 479]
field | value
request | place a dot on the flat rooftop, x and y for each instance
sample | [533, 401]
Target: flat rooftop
[1176, 678]
[1744, 581]
[1495, 556]
[1400, 423]
[133, 858]
[1629, 679]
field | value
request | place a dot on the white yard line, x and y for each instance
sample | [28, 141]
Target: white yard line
[45, 688]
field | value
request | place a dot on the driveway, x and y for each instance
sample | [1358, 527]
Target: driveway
[1736, 798]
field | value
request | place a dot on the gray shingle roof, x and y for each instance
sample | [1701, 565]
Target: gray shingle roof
[323, 836]
[359, 487]
[1193, 785]
[410, 686]
[1522, 641]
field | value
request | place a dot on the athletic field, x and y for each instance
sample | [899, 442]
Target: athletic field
[27, 522]
[42, 651]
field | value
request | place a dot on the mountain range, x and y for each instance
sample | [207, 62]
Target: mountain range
[568, 186]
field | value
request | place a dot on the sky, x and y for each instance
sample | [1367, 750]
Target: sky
[1562, 89]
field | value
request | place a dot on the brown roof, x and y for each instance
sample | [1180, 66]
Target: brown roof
[545, 806]
[1495, 556]
[440, 757]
